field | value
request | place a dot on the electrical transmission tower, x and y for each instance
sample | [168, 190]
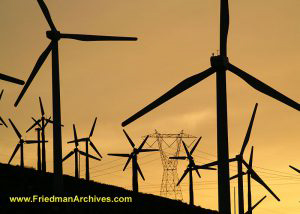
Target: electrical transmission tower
[167, 148]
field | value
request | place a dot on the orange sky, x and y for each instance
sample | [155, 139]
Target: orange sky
[113, 80]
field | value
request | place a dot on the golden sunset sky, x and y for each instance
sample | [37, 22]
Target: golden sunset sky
[113, 80]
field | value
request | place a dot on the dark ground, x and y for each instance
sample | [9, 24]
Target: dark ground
[15, 181]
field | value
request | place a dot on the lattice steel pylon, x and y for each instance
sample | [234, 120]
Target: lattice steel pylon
[169, 189]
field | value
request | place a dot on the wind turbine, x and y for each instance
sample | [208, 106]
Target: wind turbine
[190, 168]
[88, 142]
[219, 65]
[20, 145]
[294, 168]
[42, 124]
[76, 151]
[133, 156]
[11, 79]
[252, 174]
[54, 35]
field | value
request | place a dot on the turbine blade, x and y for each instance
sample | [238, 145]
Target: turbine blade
[194, 147]
[91, 38]
[129, 139]
[224, 26]
[182, 177]
[294, 168]
[143, 143]
[42, 107]
[237, 175]
[75, 135]
[35, 70]
[186, 150]
[255, 205]
[1, 93]
[15, 128]
[149, 150]
[178, 158]
[36, 122]
[198, 173]
[11, 79]
[78, 140]
[46, 14]
[255, 176]
[93, 127]
[251, 158]
[14, 153]
[247, 137]
[33, 141]
[179, 88]
[119, 155]
[48, 121]
[68, 155]
[262, 87]
[95, 149]
[127, 162]
[2, 121]
[140, 171]
[88, 155]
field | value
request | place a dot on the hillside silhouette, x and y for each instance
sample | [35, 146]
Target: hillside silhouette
[15, 181]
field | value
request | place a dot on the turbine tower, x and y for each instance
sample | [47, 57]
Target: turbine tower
[219, 65]
[133, 156]
[54, 35]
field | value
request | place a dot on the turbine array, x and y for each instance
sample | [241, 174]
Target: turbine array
[54, 36]
[219, 65]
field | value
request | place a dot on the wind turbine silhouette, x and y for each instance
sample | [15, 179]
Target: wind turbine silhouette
[76, 151]
[190, 168]
[219, 65]
[88, 142]
[42, 124]
[252, 174]
[240, 162]
[133, 156]
[54, 35]
[294, 168]
[11, 79]
[20, 145]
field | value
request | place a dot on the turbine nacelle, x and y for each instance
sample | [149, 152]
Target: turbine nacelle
[53, 35]
[219, 62]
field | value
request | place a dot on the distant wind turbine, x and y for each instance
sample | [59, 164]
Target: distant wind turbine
[76, 152]
[88, 142]
[190, 168]
[133, 156]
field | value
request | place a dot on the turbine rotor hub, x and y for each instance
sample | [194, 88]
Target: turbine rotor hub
[219, 62]
[53, 35]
